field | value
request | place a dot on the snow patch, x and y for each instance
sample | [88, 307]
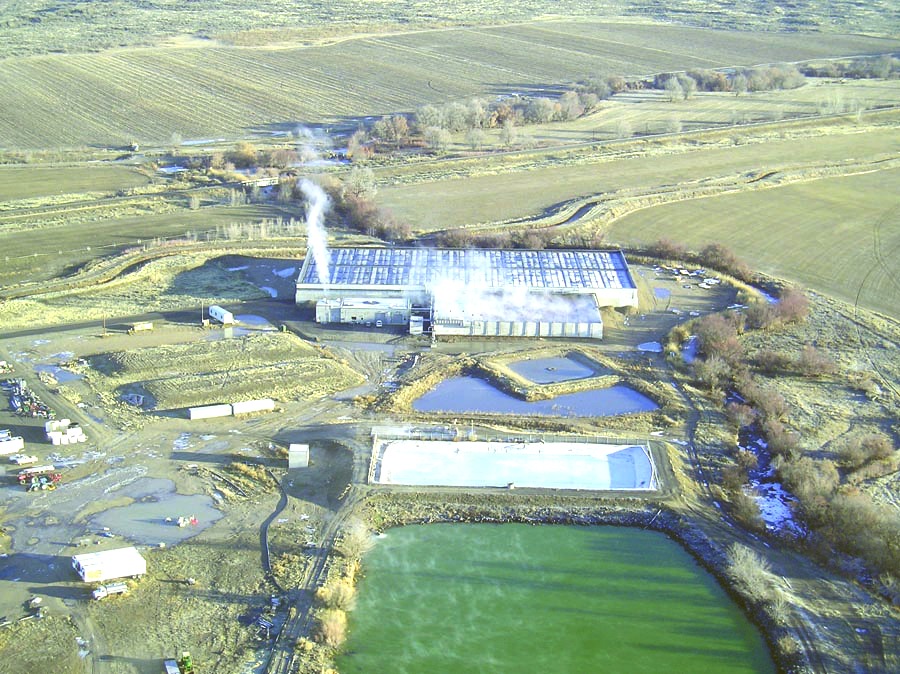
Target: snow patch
[272, 292]
[241, 268]
[284, 273]
[775, 507]
[652, 347]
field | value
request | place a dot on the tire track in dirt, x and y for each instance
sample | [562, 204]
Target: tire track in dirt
[300, 615]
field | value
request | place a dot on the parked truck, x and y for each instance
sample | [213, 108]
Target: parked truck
[23, 459]
[98, 567]
[109, 589]
[224, 317]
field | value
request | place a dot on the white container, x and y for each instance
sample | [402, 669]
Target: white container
[97, 567]
[11, 445]
[218, 313]
[252, 406]
[209, 412]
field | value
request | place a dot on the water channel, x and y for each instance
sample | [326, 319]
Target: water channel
[471, 394]
[452, 598]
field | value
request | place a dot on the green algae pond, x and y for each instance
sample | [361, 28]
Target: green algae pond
[459, 598]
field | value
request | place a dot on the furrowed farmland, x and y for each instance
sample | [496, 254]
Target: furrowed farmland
[280, 280]
[148, 94]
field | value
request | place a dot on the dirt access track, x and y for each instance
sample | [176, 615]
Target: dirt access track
[263, 535]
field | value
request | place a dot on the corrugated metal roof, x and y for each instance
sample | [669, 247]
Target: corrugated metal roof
[539, 269]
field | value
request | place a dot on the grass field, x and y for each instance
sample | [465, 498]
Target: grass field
[27, 182]
[489, 192]
[38, 26]
[119, 96]
[838, 236]
[40, 253]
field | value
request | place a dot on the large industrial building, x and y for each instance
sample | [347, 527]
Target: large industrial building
[471, 292]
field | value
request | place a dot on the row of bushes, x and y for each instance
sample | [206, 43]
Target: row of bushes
[736, 80]
[883, 66]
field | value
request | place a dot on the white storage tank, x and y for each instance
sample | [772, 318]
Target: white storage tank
[224, 317]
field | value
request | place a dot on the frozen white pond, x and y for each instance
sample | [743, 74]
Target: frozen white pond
[556, 465]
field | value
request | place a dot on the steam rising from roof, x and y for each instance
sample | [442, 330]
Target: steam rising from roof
[317, 204]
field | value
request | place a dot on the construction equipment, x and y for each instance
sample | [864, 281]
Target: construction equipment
[183, 665]
[39, 478]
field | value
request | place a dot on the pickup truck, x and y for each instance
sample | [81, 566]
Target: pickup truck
[23, 459]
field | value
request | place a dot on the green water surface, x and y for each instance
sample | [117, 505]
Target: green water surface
[550, 599]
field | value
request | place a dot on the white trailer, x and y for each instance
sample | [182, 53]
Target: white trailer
[98, 567]
[10, 444]
[253, 406]
[209, 411]
[224, 317]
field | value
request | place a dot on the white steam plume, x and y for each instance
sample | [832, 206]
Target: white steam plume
[317, 203]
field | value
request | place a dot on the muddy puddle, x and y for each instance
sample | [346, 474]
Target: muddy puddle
[153, 517]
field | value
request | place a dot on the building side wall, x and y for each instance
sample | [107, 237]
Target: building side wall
[582, 330]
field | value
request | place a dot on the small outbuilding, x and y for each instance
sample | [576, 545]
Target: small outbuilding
[298, 456]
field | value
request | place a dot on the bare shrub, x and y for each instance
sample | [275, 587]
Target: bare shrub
[813, 363]
[746, 459]
[792, 306]
[332, 627]
[867, 449]
[740, 415]
[338, 593]
[719, 257]
[713, 371]
[733, 479]
[746, 510]
[750, 573]
[779, 606]
[356, 540]
[771, 362]
[860, 526]
[814, 483]
[668, 250]
[718, 336]
[769, 403]
[781, 440]
[761, 315]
